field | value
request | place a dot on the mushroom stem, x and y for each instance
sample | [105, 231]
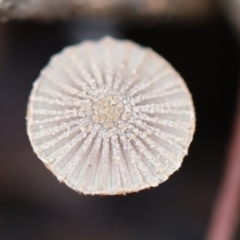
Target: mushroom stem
[225, 215]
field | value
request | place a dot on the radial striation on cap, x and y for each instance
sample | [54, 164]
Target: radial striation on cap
[110, 117]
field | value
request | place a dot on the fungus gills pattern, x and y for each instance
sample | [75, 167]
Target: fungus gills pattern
[110, 117]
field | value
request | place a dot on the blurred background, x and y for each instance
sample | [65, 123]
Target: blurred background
[202, 46]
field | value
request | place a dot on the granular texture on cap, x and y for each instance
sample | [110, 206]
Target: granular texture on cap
[110, 117]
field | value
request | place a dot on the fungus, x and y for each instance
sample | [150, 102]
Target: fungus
[110, 117]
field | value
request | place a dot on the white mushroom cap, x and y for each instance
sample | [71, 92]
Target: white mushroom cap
[110, 117]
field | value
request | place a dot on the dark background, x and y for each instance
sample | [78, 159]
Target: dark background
[34, 205]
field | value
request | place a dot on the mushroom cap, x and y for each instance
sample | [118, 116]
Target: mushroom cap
[110, 117]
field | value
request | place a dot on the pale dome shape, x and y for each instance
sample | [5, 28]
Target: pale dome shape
[110, 117]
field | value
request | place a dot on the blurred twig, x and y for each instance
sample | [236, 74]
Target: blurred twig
[225, 215]
[232, 9]
[132, 9]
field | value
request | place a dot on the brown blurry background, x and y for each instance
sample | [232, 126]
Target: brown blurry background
[34, 205]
